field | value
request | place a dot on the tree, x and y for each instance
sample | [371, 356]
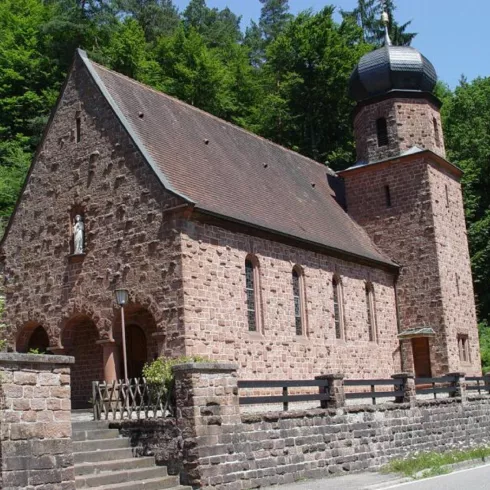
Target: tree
[367, 16]
[306, 106]
[156, 17]
[274, 17]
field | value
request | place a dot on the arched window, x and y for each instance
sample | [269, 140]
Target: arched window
[437, 136]
[338, 307]
[299, 297]
[382, 131]
[252, 291]
[371, 312]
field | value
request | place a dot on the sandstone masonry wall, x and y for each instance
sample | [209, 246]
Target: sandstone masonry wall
[130, 238]
[410, 122]
[215, 309]
[35, 419]
[428, 239]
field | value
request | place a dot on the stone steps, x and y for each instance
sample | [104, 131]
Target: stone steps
[105, 461]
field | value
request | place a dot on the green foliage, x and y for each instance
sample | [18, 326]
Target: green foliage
[431, 463]
[367, 15]
[159, 376]
[484, 331]
[35, 351]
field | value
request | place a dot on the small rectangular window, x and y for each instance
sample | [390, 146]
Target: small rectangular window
[464, 348]
[338, 309]
[388, 196]
[371, 313]
[447, 196]
[78, 129]
[457, 284]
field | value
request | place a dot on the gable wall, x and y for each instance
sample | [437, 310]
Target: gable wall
[130, 241]
[216, 314]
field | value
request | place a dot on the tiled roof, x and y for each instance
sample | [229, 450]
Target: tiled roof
[230, 172]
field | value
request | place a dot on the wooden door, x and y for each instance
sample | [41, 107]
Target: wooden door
[136, 350]
[421, 357]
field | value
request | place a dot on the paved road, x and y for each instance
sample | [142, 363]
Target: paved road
[472, 479]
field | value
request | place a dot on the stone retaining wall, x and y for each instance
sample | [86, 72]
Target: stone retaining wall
[218, 447]
[35, 420]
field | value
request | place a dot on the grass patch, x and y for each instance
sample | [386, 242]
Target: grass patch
[433, 464]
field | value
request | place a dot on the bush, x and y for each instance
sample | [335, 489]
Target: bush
[159, 376]
[485, 346]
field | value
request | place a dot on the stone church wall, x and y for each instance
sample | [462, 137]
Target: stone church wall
[130, 239]
[216, 313]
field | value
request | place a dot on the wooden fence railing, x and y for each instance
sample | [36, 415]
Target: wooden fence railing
[136, 399]
[444, 384]
[285, 398]
[397, 392]
[482, 383]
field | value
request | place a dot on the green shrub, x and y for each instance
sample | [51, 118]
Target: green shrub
[485, 346]
[158, 373]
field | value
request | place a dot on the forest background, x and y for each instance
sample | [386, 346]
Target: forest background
[285, 77]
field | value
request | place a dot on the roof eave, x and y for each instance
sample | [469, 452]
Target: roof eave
[451, 167]
[327, 249]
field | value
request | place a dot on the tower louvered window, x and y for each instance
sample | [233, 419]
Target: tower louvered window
[382, 131]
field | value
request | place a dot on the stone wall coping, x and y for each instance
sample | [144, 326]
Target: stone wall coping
[200, 367]
[333, 376]
[16, 357]
[403, 375]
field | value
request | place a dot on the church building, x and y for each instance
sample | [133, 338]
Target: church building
[236, 249]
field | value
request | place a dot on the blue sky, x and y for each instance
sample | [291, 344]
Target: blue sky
[452, 33]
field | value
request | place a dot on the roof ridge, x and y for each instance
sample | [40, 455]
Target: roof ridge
[175, 99]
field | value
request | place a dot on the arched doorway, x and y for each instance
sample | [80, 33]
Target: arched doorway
[79, 339]
[139, 326]
[136, 350]
[32, 338]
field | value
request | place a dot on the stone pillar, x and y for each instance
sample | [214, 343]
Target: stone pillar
[460, 385]
[35, 418]
[408, 388]
[208, 412]
[335, 390]
[406, 352]
[110, 352]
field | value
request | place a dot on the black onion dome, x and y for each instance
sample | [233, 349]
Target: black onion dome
[391, 68]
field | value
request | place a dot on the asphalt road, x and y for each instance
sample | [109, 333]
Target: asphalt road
[472, 479]
[477, 478]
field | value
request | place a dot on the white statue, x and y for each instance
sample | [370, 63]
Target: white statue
[78, 232]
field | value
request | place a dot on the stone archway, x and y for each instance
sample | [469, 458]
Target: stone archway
[79, 339]
[32, 337]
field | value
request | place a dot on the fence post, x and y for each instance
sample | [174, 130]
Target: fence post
[460, 385]
[408, 388]
[335, 390]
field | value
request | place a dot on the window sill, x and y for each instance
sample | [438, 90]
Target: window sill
[75, 258]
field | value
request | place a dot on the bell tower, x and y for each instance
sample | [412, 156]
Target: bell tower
[408, 198]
